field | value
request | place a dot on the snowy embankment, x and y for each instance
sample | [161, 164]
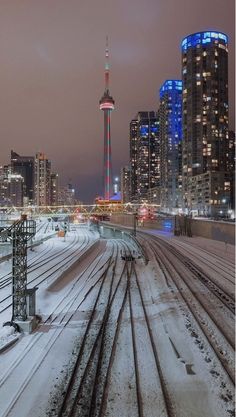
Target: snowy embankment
[8, 336]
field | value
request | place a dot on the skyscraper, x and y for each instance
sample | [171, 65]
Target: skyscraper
[205, 113]
[144, 154]
[11, 187]
[107, 105]
[125, 184]
[42, 180]
[133, 158]
[170, 116]
[24, 166]
[54, 189]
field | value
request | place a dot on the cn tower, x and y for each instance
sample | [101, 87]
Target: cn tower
[107, 105]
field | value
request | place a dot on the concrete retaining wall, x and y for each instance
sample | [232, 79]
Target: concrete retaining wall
[165, 224]
[221, 231]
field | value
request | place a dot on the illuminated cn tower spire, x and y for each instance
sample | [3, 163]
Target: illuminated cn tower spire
[107, 105]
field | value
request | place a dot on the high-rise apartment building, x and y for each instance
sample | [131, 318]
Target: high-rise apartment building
[144, 155]
[11, 187]
[133, 158]
[24, 166]
[205, 114]
[231, 169]
[231, 153]
[66, 195]
[54, 189]
[148, 161]
[42, 180]
[15, 189]
[170, 117]
[125, 184]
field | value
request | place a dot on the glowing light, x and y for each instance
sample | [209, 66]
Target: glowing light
[167, 224]
[171, 92]
[170, 85]
[109, 106]
[203, 38]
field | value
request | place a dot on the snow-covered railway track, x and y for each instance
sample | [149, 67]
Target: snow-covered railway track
[86, 390]
[221, 290]
[217, 254]
[227, 270]
[41, 260]
[63, 262]
[167, 405]
[213, 328]
[59, 318]
[7, 278]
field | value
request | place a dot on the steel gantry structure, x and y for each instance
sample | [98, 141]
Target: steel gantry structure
[101, 209]
[19, 233]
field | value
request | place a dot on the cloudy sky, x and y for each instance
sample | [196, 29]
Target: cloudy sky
[51, 74]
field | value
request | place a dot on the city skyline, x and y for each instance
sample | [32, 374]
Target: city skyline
[52, 61]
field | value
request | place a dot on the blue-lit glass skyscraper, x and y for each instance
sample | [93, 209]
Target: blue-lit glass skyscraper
[205, 108]
[170, 116]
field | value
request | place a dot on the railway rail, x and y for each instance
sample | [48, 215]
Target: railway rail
[213, 322]
[61, 316]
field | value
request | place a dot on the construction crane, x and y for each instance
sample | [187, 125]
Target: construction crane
[19, 233]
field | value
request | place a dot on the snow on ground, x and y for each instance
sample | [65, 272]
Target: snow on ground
[24, 367]
[225, 251]
[8, 335]
[193, 393]
[36, 367]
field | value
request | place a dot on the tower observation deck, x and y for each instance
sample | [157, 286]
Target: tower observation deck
[107, 105]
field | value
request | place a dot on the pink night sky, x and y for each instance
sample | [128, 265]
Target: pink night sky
[52, 55]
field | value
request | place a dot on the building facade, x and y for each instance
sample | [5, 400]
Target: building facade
[54, 189]
[66, 195]
[210, 194]
[231, 170]
[11, 187]
[42, 180]
[125, 184]
[170, 116]
[24, 166]
[144, 155]
[205, 107]
[133, 158]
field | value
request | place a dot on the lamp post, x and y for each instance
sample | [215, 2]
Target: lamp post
[135, 223]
